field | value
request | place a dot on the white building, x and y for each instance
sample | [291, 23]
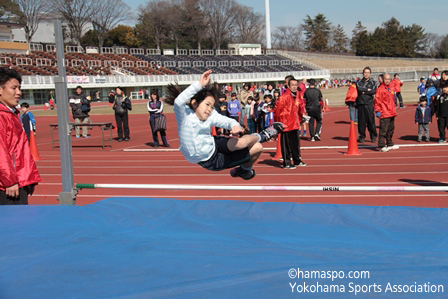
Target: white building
[246, 49]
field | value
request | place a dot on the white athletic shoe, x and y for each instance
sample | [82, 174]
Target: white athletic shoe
[384, 149]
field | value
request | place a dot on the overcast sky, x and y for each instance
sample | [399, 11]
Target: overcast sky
[431, 15]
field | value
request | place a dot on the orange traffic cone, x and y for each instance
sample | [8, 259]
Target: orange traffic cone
[327, 106]
[33, 147]
[214, 131]
[278, 153]
[352, 142]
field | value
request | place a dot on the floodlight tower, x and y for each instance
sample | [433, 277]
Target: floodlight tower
[268, 25]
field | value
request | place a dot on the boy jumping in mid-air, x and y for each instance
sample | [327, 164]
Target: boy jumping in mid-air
[195, 122]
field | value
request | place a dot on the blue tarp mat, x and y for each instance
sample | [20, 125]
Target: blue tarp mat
[161, 248]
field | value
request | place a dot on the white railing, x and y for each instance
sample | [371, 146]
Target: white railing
[109, 63]
[94, 63]
[153, 52]
[5, 60]
[121, 51]
[182, 52]
[207, 52]
[50, 48]
[77, 62]
[222, 52]
[24, 61]
[169, 63]
[198, 63]
[210, 63]
[107, 50]
[223, 63]
[137, 51]
[36, 47]
[184, 63]
[74, 49]
[193, 52]
[142, 64]
[43, 62]
[127, 63]
[37, 82]
[262, 62]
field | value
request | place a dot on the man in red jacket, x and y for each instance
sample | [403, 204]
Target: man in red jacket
[397, 86]
[289, 110]
[18, 171]
[385, 110]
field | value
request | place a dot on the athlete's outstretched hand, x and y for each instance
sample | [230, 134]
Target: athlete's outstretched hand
[205, 78]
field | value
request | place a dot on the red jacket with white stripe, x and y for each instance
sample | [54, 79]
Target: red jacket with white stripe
[385, 101]
[289, 110]
[17, 166]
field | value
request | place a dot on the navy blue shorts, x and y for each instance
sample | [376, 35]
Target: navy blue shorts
[223, 158]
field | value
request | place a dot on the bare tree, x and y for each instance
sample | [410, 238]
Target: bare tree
[77, 14]
[432, 44]
[288, 37]
[109, 13]
[220, 19]
[31, 14]
[249, 25]
[175, 21]
[152, 22]
[194, 21]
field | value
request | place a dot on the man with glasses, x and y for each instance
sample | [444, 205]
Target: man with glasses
[364, 102]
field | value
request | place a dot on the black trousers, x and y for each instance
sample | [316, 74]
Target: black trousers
[21, 200]
[398, 99]
[155, 138]
[366, 119]
[315, 116]
[122, 124]
[442, 122]
[387, 128]
[290, 142]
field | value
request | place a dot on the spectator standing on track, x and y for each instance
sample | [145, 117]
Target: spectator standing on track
[244, 95]
[289, 111]
[397, 88]
[275, 98]
[28, 120]
[314, 107]
[155, 109]
[431, 92]
[441, 111]
[51, 100]
[423, 117]
[221, 107]
[121, 105]
[18, 171]
[386, 111]
[195, 121]
[80, 111]
[249, 114]
[234, 107]
[350, 101]
[366, 91]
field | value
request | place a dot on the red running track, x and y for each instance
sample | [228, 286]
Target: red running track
[407, 166]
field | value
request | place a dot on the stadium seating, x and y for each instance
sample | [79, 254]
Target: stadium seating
[94, 64]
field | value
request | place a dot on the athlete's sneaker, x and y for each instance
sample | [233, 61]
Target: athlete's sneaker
[300, 164]
[271, 131]
[312, 139]
[317, 137]
[384, 149]
[442, 141]
[235, 172]
[289, 166]
[393, 147]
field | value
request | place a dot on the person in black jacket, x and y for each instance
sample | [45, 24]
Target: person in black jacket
[441, 111]
[121, 106]
[80, 110]
[366, 117]
[313, 105]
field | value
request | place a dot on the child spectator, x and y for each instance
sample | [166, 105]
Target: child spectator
[385, 109]
[441, 111]
[257, 113]
[248, 109]
[423, 118]
[397, 87]
[234, 107]
[195, 122]
[28, 120]
[276, 96]
[51, 100]
[431, 91]
[350, 101]
[265, 110]
[221, 108]
[421, 88]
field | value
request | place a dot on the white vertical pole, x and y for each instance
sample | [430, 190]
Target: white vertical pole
[268, 25]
